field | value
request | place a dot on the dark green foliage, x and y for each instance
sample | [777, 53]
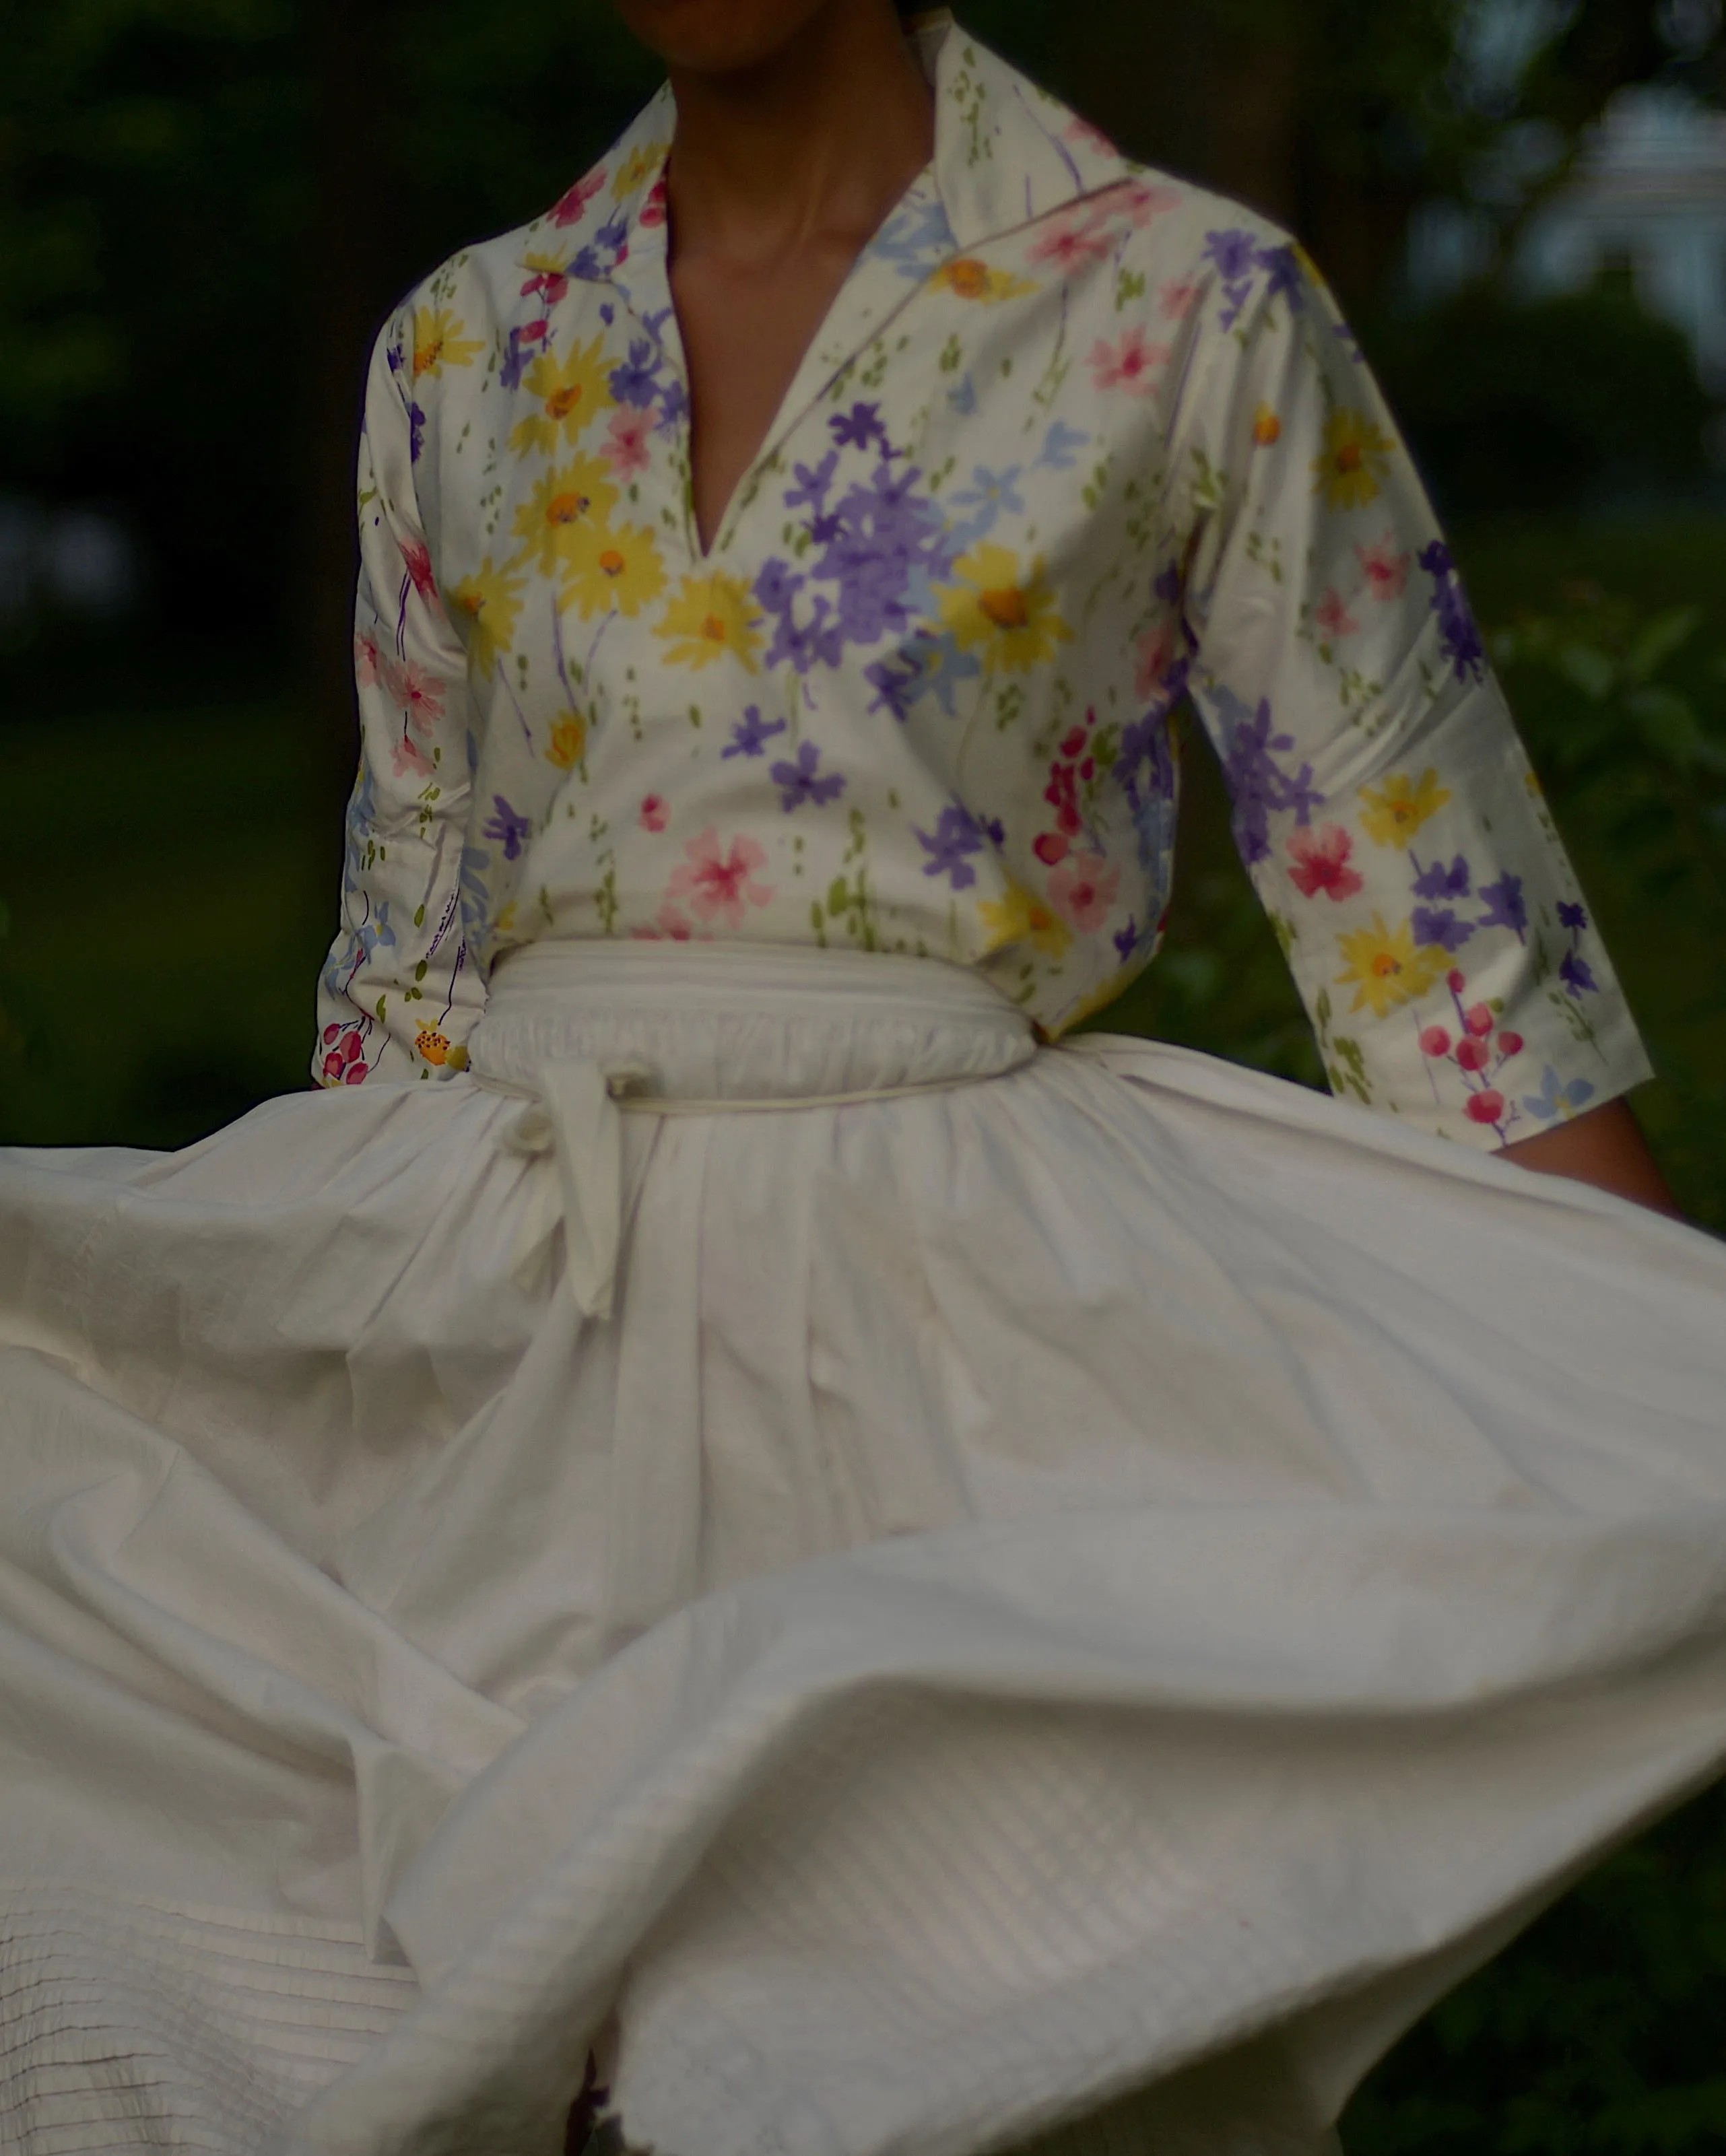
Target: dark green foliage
[1503, 417]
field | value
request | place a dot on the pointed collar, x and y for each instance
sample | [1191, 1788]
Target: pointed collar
[1006, 153]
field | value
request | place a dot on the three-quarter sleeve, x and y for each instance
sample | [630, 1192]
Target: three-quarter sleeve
[1383, 802]
[399, 996]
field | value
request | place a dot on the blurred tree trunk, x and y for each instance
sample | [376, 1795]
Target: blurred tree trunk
[354, 256]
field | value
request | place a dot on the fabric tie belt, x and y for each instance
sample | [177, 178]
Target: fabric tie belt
[574, 1112]
[585, 1034]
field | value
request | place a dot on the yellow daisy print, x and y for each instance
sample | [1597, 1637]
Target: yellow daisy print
[1021, 917]
[568, 742]
[487, 603]
[711, 616]
[611, 569]
[1395, 811]
[1357, 455]
[570, 391]
[438, 343]
[558, 504]
[638, 166]
[1012, 617]
[968, 279]
[1386, 969]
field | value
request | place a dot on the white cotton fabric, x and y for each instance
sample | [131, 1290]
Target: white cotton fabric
[1059, 1610]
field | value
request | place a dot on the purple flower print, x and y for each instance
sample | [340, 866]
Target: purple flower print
[957, 836]
[777, 585]
[859, 428]
[750, 735]
[635, 381]
[1576, 976]
[882, 544]
[1284, 281]
[511, 830]
[815, 483]
[608, 250]
[1505, 906]
[1438, 924]
[1168, 585]
[515, 362]
[416, 434]
[1438, 881]
[801, 783]
[1459, 633]
[1257, 784]
[1234, 254]
[1573, 916]
[1126, 942]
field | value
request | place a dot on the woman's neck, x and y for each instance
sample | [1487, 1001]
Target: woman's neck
[817, 142]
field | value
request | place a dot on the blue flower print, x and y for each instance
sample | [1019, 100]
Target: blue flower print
[998, 490]
[1060, 445]
[511, 829]
[963, 397]
[916, 240]
[376, 933]
[1555, 1099]
[750, 736]
[957, 836]
[1458, 632]
[801, 783]
[929, 666]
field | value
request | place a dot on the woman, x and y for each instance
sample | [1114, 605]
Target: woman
[718, 1522]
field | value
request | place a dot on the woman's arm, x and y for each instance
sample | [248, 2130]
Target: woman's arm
[1604, 1146]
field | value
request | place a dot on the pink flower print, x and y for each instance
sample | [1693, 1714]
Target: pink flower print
[1478, 1019]
[1455, 980]
[1071, 243]
[365, 659]
[1434, 1041]
[1082, 890]
[625, 446]
[1132, 364]
[1511, 1044]
[655, 814]
[1333, 616]
[669, 925]
[1385, 570]
[1051, 848]
[1320, 863]
[417, 555]
[717, 883]
[1179, 298]
[420, 695]
[1142, 202]
[653, 209]
[1089, 136]
[408, 759]
[550, 284]
[1486, 1107]
[569, 209]
[1157, 652]
[1472, 1054]
[345, 1063]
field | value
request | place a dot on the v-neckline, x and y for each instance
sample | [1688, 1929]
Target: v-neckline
[874, 288]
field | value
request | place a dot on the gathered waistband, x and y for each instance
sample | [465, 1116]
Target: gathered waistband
[739, 1025]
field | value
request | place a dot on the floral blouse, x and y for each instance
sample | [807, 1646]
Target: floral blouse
[1076, 442]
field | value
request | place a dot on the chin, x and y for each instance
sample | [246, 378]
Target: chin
[720, 37]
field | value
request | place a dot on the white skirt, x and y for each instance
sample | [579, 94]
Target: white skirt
[1060, 1604]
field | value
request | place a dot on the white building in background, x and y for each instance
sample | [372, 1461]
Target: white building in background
[1649, 194]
